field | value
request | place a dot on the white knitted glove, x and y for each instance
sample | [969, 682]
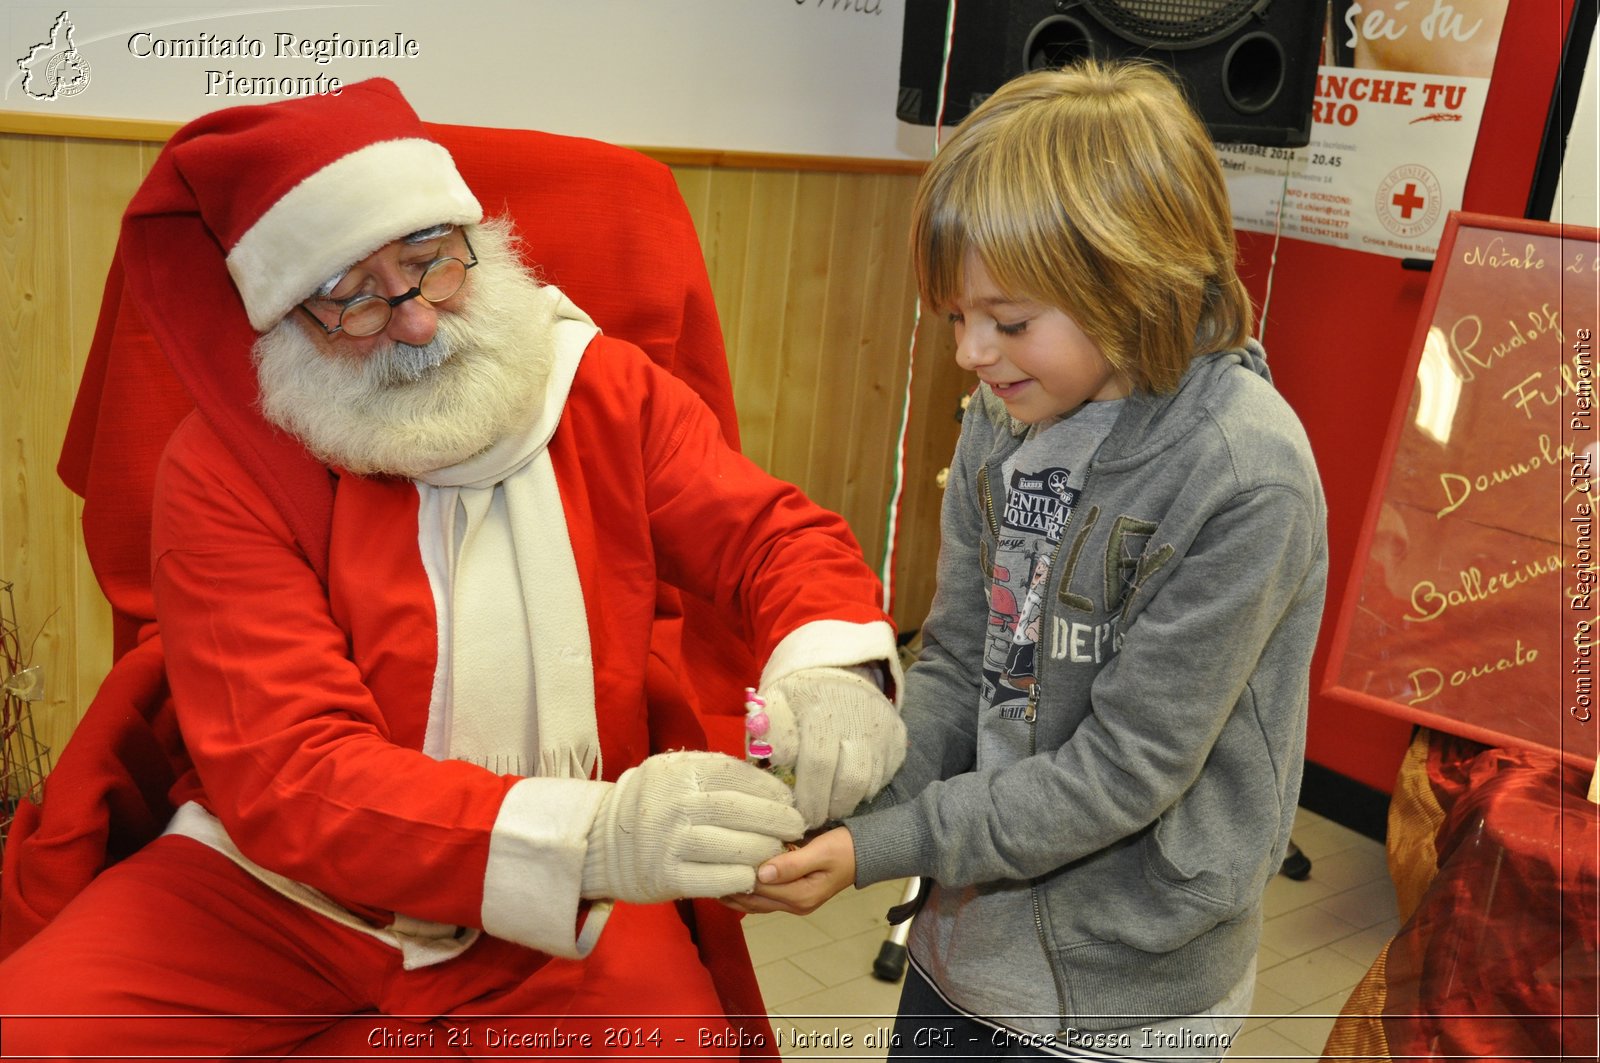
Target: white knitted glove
[843, 738]
[686, 824]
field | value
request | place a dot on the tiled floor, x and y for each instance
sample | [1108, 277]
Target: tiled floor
[1321, 934]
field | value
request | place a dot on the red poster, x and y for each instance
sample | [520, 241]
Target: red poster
[1473, 607]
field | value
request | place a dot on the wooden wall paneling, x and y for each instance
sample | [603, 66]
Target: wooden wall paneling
[937, 387]
[38, 526]
[62, 202]
[755, 341]
[884, 341]
[843, 347]
[802, 402]
[813, 283]
[725, 242]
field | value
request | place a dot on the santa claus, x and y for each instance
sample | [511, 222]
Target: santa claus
[405, 562]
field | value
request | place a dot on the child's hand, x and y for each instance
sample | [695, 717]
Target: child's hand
[799, 881]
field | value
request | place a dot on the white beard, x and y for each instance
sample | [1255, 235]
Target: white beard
[405, 410]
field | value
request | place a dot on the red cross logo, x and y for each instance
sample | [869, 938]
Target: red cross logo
[1408, 200]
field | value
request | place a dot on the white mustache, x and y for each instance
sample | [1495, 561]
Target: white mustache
[405, 363]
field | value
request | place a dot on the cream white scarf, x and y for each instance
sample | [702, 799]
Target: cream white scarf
[514, 689]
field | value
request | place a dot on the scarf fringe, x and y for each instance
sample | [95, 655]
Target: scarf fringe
[584, 762]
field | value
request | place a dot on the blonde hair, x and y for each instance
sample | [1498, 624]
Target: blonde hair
[1095, 189]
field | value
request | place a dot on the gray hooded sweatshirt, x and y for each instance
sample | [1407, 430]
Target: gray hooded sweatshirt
[1108, 868]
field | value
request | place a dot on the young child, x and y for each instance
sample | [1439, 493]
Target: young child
[1107, 721]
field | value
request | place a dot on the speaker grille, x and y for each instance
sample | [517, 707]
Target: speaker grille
[1173, 23]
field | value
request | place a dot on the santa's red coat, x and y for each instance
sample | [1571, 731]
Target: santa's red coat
[304, 710]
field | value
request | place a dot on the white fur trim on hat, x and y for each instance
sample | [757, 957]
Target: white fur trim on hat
[340, 215]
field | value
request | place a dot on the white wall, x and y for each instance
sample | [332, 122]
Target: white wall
[809, 77]
[814, 77]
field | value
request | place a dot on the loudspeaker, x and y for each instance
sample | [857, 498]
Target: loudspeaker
[1250, 66]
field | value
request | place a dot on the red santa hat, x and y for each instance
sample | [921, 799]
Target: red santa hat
[246, 212]
[295, 192]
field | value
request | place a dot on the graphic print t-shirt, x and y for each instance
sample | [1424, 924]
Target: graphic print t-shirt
[1042, 480]
[976, 942]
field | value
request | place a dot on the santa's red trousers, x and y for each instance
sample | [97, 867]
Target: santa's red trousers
[177, 952]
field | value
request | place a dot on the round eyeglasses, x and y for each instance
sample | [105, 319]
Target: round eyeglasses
[368, 315]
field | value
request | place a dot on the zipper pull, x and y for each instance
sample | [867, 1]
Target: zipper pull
[1031, 713]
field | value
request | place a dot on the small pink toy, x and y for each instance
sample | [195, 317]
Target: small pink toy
[758, 750]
